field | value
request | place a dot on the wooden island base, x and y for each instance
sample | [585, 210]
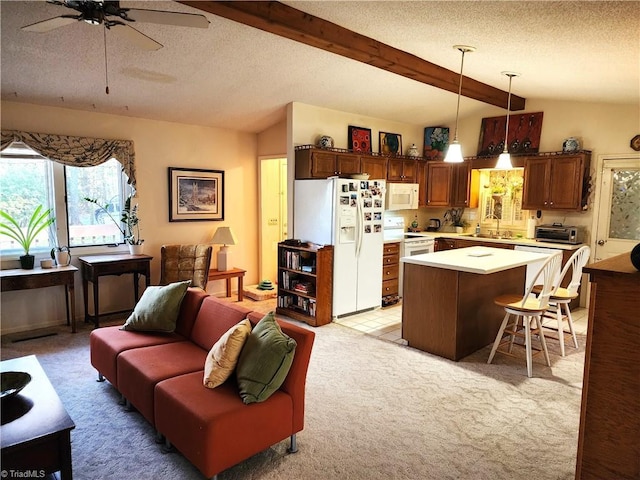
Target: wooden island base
[451, 313]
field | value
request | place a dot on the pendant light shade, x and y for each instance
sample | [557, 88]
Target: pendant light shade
[504, 160]
[454, 152]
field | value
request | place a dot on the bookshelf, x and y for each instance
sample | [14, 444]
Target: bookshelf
[305, 283]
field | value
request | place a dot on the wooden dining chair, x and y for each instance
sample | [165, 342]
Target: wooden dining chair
[562, 296]
[527, 313]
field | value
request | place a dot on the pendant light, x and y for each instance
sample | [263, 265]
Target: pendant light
[504, 160]
[454, 153]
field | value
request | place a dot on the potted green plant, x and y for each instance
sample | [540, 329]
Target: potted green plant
[454, 217]
[26, 234]
[129, 223]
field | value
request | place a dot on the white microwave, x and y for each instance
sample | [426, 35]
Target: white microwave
[402, 196]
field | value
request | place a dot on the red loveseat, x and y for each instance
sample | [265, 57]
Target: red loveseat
[161, 375]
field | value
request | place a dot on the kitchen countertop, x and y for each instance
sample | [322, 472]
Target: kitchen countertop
[482, 260]
[512, 241]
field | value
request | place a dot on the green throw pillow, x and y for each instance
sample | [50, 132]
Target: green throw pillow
[264, 361]
[158, 308]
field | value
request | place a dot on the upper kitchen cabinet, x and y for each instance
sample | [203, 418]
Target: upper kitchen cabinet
[376, 167]
[438, 184]
[312, 163]
[556, 181]
[402, 170]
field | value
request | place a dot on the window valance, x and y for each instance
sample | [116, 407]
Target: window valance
[76, 151]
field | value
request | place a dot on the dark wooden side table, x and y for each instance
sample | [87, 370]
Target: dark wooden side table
[35, 435]
[95, 266]
[19, 279]
[227, 275]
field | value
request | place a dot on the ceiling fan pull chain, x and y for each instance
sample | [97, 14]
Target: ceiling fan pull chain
[106, 69]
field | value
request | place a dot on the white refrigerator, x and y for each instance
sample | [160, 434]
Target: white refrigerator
[347, 214]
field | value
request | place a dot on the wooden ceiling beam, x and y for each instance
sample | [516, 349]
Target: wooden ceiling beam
[288, 22]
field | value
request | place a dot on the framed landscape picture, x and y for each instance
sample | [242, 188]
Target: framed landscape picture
[359, 139]
[524, 134]
[436, 141]
[195, 195]
[390, 143]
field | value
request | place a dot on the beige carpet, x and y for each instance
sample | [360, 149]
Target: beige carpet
[375, 410]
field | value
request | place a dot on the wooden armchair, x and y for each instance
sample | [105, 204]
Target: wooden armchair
[185, 262]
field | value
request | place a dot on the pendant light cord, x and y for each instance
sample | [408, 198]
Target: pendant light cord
[506, 133]
[106, 68]
[455, 136]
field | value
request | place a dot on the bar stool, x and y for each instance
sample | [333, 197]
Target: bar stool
[562, 296]
[527, 311]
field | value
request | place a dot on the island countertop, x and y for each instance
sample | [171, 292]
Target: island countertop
[481, 260]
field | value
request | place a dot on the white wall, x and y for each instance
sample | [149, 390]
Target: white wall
[158, 145]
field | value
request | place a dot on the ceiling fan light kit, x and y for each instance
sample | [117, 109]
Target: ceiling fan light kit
[454, 152]
[504, 160]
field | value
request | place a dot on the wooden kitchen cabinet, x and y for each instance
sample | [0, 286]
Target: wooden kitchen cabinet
[444, 244]
[376, 167]
[438, 184]
[305, 283]
[556, 182]
[402, 170]
[318, 163]
[390, 273]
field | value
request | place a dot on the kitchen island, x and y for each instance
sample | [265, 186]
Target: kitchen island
[448, 307]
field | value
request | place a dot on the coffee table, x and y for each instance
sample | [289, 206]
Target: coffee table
[35, 434]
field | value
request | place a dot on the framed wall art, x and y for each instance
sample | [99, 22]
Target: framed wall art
[524, 134]
[390, 143]
[359, 139]
[195, 195]
[436, 141]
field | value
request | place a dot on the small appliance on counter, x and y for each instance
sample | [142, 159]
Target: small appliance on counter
[434, 225]
[558, 233]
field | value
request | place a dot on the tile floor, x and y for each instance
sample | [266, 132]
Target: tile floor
[384, 323]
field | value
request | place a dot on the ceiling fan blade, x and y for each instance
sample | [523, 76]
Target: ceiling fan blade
[51, 24]
[134, 36]
[167, 18]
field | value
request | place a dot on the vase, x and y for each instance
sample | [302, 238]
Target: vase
[325, 141]
[63, 258]
[413, 151]
[459, 229]
[571, 144]
[27, 261]
[136, 249]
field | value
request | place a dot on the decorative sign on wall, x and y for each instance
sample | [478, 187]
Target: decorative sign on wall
[359, 139]
[436, 141]
[524, 134]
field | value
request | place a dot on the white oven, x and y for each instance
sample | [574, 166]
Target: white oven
[414, 244]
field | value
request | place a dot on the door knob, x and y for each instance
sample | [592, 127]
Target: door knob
[601, 242]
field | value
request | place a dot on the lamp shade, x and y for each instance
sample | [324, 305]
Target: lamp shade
[224, 236]
[454, 153]
[504, 161]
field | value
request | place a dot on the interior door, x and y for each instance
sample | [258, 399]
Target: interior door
[618, 224]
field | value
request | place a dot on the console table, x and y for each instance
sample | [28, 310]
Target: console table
[20, 279]
[36, 428]
[95, 266]
[227, 275]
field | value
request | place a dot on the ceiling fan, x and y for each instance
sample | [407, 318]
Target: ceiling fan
[117, 19]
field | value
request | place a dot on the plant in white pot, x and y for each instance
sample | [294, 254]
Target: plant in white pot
[454, 217]
[129, 224]
[25, 232]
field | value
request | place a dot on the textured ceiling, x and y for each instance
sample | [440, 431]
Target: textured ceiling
[237, 77]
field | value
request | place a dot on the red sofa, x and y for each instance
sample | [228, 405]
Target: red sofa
[161, 375]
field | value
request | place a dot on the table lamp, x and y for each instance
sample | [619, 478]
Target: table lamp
[225, 237]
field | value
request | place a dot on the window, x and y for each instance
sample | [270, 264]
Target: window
[501, 199]
[27, 180]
